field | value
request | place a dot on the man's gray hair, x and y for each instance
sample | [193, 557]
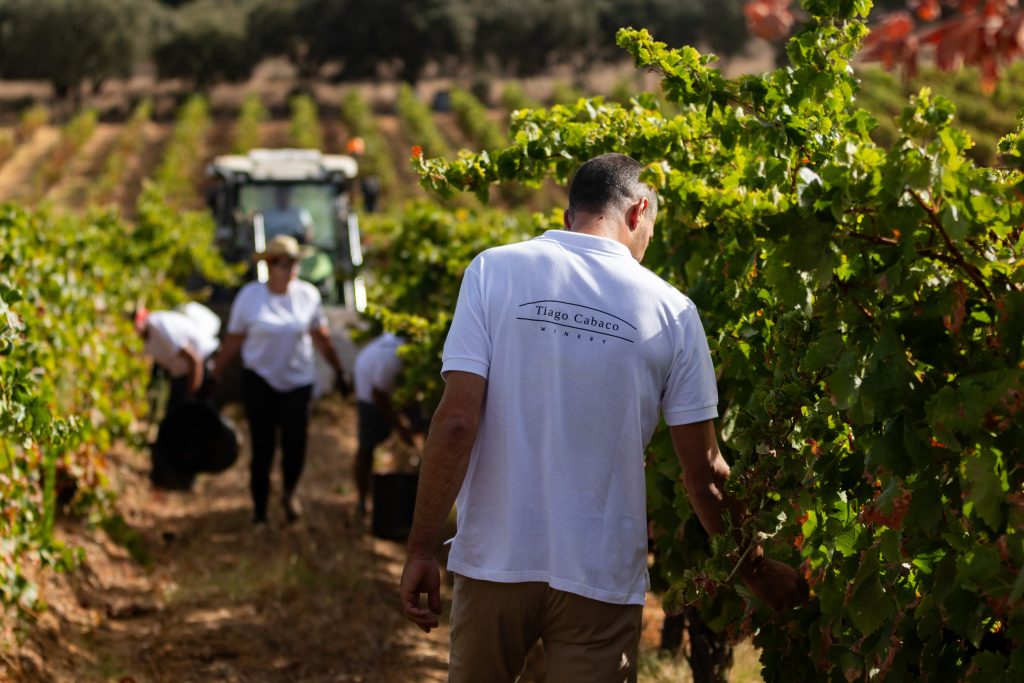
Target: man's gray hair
[608, 181]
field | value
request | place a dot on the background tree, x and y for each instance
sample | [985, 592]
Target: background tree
[206, 43]
[524, 37]
[363, 39]
[289, 28]
[400, 36]
[70, 42]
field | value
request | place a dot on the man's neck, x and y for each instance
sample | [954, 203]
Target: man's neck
[597, 224]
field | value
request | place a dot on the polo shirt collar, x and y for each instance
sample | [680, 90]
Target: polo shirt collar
[579, 240]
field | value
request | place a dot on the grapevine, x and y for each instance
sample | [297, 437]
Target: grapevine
[419, 123]
[304, 129]
[70, 366]
[376, 160]
[247, 129]
[865, 306]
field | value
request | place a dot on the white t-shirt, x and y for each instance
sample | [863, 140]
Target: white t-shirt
[581, 346]
[171, 331]
[277, 344]
[377, 367]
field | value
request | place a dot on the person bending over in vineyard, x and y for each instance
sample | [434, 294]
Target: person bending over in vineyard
[374, 374]
[180, 342]
[561, 352]
[276, 325]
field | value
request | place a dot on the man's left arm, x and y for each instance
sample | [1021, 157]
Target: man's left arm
[704, 475]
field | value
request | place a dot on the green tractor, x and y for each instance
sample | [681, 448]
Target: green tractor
[299, 192]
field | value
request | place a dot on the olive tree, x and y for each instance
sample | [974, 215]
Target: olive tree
[71, 42]
[206, 43]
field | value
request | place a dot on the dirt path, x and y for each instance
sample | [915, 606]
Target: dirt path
[453, 133]
[143, 165]
[274, 133]
[215, 600]
[312, 602]
[16, 173]
[72, 189]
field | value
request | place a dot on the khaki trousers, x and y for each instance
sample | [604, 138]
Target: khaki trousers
[493, 626]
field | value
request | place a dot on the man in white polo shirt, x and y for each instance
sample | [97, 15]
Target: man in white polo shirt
[561, 353]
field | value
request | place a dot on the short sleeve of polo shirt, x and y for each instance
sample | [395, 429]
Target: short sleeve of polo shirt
[240, 318]
[319, 317]
[468, 346]
[691, 393]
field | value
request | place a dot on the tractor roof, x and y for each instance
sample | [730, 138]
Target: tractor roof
[284, 165]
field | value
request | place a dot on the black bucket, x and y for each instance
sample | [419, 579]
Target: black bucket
[394, 499]
[193, 438]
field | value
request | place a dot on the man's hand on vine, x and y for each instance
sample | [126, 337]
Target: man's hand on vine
[775, 583]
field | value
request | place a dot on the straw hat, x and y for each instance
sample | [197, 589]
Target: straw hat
[284, 245]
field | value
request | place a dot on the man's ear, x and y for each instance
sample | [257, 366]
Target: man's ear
[567, 219]
[636, 212]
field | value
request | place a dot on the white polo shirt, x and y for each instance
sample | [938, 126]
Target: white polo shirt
[581, 347]
[171, 331]
[277, 344]
[377, 367]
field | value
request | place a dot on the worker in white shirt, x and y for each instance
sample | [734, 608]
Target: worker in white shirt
[375, 374]
[180, 341]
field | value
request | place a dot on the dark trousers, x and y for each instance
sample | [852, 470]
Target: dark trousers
[269, 410]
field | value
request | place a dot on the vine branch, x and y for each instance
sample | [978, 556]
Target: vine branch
[972, 271]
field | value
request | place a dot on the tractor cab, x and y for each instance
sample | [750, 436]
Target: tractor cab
[299, 192]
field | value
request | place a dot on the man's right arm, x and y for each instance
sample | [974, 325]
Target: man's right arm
[450, 440]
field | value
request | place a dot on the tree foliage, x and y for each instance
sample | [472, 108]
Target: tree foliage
[205, 43]
[363, 39]
[70, 42]
[865, 306]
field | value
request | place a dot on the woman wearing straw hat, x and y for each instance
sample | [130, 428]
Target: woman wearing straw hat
[276, 325]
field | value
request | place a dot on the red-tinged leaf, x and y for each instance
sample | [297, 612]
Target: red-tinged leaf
[993, 9]
[1012, 35]
[769, 19]
[954, 320]
[894, 26]
[853, 667]
[989, 74]
[927, 10]
[895, 645]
